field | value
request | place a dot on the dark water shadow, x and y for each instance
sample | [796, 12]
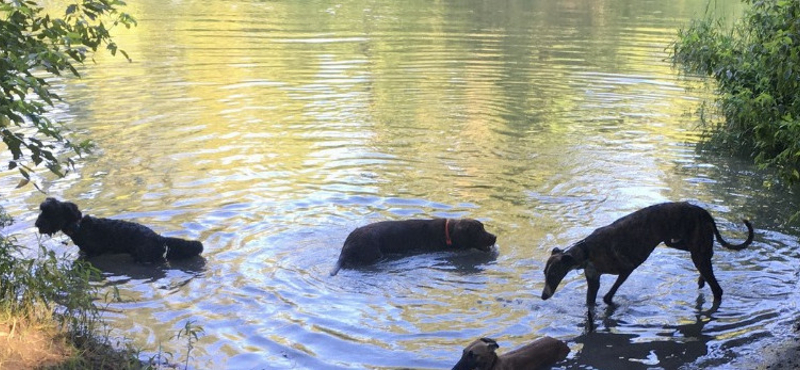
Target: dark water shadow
[122, 268]
[471, 262]
[466, 263]
[611, 347]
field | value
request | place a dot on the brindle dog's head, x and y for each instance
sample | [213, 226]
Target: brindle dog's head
[56, 216]
[558, 265]
[468, 233]
[479, 355]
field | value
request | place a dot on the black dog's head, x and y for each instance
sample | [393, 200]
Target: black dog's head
[468, 233]
[558, 265]
[479, 355]
[56, 216]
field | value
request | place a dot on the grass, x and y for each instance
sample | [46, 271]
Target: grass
[31, 342]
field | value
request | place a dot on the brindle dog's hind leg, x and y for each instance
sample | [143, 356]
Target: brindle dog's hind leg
[703, 264]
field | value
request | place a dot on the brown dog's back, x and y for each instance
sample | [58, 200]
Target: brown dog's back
[369, 244]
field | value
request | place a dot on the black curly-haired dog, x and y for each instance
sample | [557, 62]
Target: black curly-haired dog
[95, 236]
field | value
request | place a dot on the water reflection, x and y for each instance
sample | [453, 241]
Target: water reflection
[120, 269]
[270, 130]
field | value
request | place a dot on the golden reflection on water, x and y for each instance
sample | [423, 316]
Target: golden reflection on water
[248, 93]
[271, 129]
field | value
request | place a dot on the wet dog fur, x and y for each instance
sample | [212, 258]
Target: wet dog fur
[541, 353]
[95, 236]
[622, 246]
[371, 243]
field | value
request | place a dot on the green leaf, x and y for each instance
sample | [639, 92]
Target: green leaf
[23, 182]
[40, 47]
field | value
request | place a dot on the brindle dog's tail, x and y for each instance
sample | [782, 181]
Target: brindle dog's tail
[736, 247]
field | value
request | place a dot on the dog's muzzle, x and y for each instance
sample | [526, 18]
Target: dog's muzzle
[43, 228]
[547, 292]
[490, 242]
[46, 232]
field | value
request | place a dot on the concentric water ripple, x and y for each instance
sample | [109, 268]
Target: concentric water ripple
[270, 130]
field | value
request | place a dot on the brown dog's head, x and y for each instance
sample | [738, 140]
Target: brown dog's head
[468, 233]
[558, 265]
[56, 216]
[479, 355]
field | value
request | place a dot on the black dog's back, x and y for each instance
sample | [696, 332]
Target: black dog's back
[103, 235]
[95, 236]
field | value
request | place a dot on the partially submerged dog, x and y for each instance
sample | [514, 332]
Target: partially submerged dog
[622, 246]
[95, 236]
[368, 244]
[541, 353]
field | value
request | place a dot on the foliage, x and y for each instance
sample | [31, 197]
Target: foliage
[756, 65]
[33, 48]
[45, 280]
[191, 334]
[43, 289]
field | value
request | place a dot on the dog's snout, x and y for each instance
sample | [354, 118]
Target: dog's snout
[490, 239]
[547, 293]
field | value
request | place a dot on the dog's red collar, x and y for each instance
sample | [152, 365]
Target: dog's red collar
[447, 239]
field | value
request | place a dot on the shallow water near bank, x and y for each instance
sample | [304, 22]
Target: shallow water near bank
[270, 130]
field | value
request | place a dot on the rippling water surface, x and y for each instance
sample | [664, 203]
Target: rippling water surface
[271, 129]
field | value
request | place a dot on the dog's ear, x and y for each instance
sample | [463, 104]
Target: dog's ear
[73, 210]
[567, 259]
[48, 203]
[556, 251]
[491, 344]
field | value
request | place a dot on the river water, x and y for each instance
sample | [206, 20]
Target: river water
[270, 129]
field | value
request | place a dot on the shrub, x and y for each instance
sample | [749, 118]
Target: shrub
[756, 66]
[57, 299]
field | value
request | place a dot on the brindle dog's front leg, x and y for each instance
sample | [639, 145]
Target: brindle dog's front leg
[621, 279]
[593, 282]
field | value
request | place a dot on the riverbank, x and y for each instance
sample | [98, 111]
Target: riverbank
[40, 342]
[783, 356]
[31, 345]
[34, 334]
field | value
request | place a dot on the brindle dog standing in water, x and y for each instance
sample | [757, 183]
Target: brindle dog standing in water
[621, 247]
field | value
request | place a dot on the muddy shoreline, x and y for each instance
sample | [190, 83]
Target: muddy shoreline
[784, 356]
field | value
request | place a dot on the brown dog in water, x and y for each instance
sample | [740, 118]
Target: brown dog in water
[621, 247]
[370, 243]
[541, 353]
